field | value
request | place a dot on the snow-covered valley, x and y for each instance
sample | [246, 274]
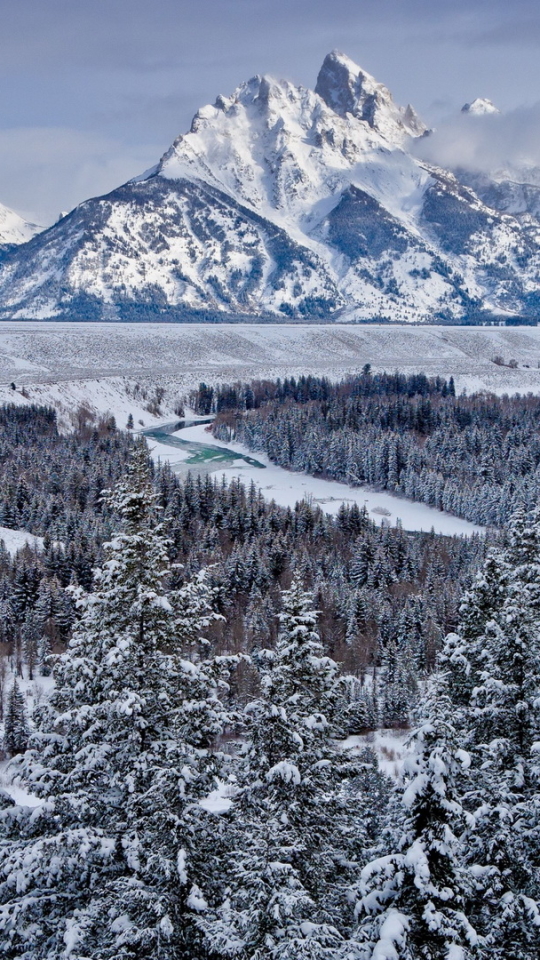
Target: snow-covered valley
[116, 369]
[287, 487]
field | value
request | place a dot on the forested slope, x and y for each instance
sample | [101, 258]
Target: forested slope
[386, 598]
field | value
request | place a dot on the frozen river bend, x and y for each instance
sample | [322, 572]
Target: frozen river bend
[117, 368]
[188, 446]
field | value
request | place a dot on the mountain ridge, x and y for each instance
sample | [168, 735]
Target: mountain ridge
[283, 202]
[14, 230]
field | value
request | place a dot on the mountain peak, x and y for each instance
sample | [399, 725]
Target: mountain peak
[480, 107]
[13, 229]
[348, 89]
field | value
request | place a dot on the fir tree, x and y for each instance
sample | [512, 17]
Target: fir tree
[493, 677]
[296, 830]
[16, 731]
[107, 867]
[413, 901]
[503, 849]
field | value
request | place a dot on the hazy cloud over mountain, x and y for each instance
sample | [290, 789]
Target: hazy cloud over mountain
[112, 82]
[490, 144]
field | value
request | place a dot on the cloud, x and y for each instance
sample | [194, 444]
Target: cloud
[54, 169]
[488, 144]
[507, 33]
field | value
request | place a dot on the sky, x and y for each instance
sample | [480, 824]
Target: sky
[93, 92]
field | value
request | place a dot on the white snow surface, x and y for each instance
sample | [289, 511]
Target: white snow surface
[267, 145]
[35, 691]
[480, 107]
[66, 363]
[220, 799]
[391, 747]
[13, 229]
[15, 540]
[17, 792]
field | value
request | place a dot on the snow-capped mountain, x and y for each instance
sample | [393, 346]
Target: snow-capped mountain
[480, 107]
[13, 229]
[282, 202]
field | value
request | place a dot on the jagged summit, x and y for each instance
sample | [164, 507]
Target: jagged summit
[284, 149]
[480, 107]
[346, 88]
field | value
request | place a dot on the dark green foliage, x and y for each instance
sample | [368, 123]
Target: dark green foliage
[16, 727]
[360, 227]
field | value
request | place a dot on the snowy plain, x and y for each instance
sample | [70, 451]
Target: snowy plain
[90, 355]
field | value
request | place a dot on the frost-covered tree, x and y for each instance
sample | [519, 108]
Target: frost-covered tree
[412, 902]
[16, 731]
[503, 849]
[492, 669]
[105, 867]
[296, 830]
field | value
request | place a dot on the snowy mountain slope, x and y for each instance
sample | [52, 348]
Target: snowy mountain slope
[13, 229]
[178, 247]
[282, 202]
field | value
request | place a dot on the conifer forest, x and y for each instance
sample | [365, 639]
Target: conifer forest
[234, 730]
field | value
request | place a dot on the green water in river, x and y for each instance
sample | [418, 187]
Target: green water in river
[202, 456]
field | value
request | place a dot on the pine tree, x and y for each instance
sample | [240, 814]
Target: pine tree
[296, 830]
[493, 677]
[503, 850]
[108, 868]
[16, 731]
[412, 903]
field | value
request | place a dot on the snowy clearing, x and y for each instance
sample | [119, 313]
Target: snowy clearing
[391, 747]
[15, 540]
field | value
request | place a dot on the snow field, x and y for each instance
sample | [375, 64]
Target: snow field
[391, 748]
[15, 540]
[95, 362]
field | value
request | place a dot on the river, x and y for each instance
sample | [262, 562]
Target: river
[202, 457]
[287, 487]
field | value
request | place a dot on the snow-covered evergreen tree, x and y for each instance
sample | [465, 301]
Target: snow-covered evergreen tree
[105, 866]
[16, 731]
[296, 832]
[503, 849]
[412, 902]
[492, 669]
